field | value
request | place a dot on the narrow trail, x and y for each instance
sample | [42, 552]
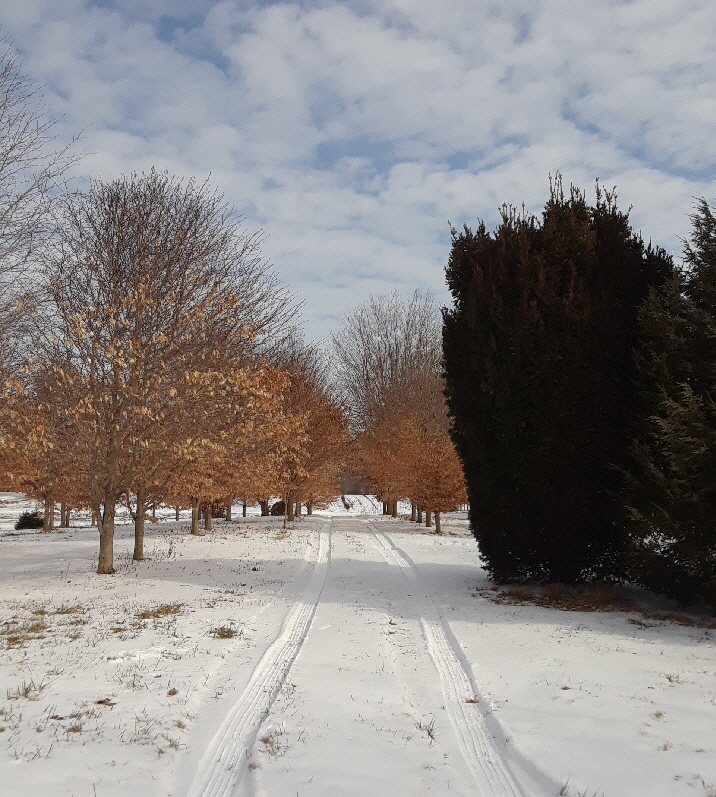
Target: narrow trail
[224, 764]
[478, 747]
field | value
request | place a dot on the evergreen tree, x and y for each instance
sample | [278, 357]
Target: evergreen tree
[671, 484]
[538, 355]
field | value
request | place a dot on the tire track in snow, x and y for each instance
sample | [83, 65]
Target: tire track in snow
[225, 761]
[477, 744]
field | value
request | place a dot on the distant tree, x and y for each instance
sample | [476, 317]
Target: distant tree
[671, 487]
[384, 350]
[389, 376]
[311, 468]
[539, 359]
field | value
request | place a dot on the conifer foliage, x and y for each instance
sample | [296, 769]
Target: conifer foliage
[539, 360]
[671, 488]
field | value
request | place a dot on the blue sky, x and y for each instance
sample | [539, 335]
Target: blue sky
[352, 132]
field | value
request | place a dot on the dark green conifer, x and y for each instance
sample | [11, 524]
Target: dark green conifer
[671, 484]
[538, 353]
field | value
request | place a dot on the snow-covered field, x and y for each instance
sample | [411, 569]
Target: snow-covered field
[347, 655]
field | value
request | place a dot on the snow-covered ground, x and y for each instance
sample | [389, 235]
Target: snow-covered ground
[350, 654]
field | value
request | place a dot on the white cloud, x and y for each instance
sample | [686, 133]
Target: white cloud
[352, 131]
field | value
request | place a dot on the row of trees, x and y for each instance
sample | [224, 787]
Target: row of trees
[147, 350]
[165, 366]
[389, 376]
[580, 369]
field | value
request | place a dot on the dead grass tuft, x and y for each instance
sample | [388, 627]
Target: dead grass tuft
[273, 744]
[17, 632]
[224, 631]
[75, 608]
[27, 689]
[163, 610]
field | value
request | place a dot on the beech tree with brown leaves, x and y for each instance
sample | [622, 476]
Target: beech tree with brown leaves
[153, 282]
[311, 468]
[389, 375]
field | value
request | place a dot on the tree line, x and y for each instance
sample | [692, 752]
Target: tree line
[164, 366]
[580, 371]
[150, 355]
[388, 374]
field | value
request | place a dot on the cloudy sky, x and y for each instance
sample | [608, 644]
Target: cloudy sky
[352, 131]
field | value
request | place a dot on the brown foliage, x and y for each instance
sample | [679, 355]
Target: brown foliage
[390, 375]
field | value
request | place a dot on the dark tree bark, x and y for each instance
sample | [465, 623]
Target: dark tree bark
[138, 555]
[105, 523]
[195, 517]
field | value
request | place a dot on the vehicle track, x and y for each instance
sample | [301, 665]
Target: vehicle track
[225, 761]
[482, 755]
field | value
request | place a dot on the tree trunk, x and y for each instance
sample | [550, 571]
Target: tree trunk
[49, 513]
[413, 511]
[207, 516]
[154, 510]
[264, 508]
[105, 522]
[298, 509]
[437, 523]
[420, 514]
[289, 508]
[95, 518]
[228, 509]
[428, 519]
[176, 513]
[309, 508]
[139, 527]
[385, 507]
[394, 513]
[243, 509]
[195, 517]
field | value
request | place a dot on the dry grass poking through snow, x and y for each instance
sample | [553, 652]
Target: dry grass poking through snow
[34, 620]
[163, 610]
[591, 598]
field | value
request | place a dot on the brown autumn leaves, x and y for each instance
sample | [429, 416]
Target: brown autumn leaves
[388, 370]
[164, 367]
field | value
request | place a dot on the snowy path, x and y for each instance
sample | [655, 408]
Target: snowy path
[365, 678]
[225, 761]
[480, 750]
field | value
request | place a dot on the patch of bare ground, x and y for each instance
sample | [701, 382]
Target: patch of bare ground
[593, 598]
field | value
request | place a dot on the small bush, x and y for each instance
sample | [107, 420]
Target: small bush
[29, 520]
[279, 508]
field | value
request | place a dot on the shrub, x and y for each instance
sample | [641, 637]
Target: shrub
[29, 520]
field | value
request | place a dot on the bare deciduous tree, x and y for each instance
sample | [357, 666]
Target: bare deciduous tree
[32, 169]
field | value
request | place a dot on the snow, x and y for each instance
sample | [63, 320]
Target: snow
[349, 654]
